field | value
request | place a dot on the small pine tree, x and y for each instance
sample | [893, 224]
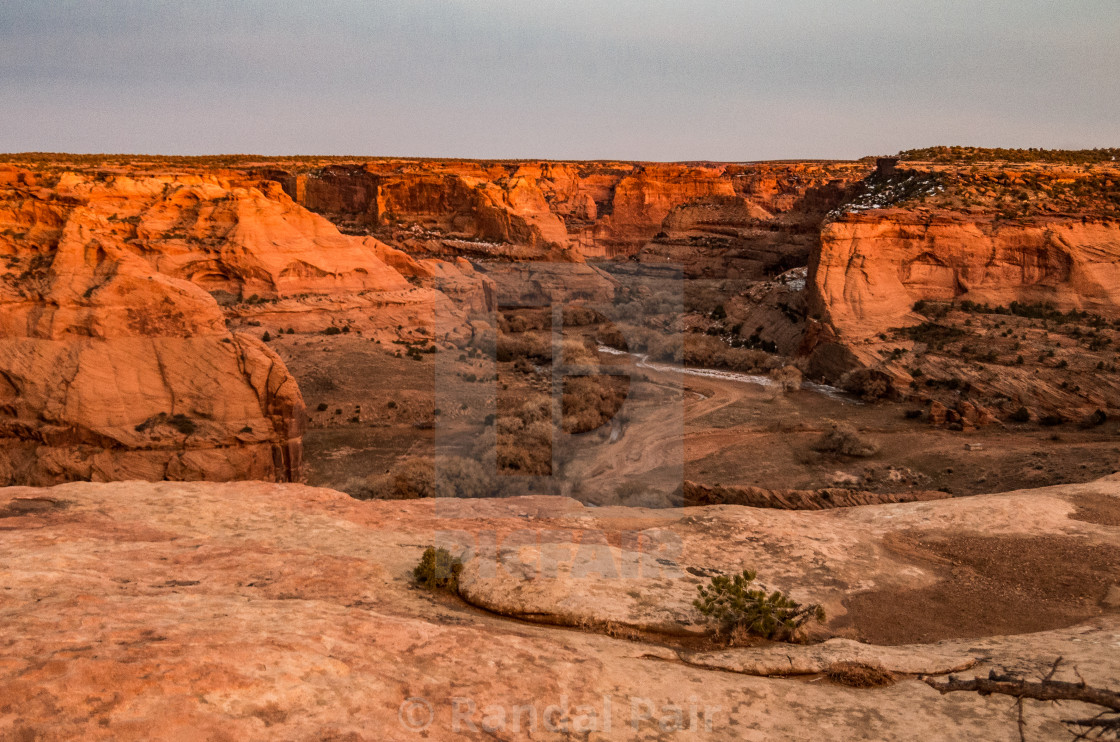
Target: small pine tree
[266, 337]
[438, 570]
[731, 603]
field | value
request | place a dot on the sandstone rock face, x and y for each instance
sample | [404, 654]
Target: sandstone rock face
[252, 611]
[984, 285]
[116, 294]
[112, 370]
[568, 211]
[643, 199]
[457, 202]
[871, 269]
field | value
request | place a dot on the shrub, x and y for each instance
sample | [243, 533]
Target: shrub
[438, 570]
[869, 384]
[266, 336]
[321, 407]
[332, 330]
[731, 603]
[858, 675]
[416, 478]
[843, 439]
[1021, 415]
[590, 401]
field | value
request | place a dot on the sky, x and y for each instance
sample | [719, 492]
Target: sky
[659, 80]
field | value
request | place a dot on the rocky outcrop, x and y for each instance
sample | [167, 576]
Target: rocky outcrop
[118, 293]
[416, 204]
[980, 284]
[114, 370]
[872, 268]
[252, 611]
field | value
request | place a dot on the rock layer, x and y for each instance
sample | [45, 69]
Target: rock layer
[569, 211]
[871, 269]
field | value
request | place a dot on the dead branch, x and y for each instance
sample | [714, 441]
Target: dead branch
[1048, 689]
[1045, 690]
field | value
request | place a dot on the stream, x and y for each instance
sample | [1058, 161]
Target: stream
[641, 360]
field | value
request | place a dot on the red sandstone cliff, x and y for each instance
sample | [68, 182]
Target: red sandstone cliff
[115, 297]
[872, 268]
[568, 211]
[952, 282]
[989, 233]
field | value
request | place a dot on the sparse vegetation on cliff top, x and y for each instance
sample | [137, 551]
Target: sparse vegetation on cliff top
[985, 154]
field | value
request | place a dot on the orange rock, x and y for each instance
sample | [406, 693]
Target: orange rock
[871, 269]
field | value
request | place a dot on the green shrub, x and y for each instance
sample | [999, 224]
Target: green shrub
[732, 604]
[438, 570]
[932, 334]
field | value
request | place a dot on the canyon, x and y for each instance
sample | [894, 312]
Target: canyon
[167, 318]
[241, 396]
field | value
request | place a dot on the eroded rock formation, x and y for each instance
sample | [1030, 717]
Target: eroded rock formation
[571, 211]
[117, 295]
[873, 268]
[967, 282]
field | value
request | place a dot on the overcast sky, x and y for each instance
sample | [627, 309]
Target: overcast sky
[625, 79]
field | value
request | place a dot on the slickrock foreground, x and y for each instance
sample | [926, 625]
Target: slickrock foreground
[243, 611]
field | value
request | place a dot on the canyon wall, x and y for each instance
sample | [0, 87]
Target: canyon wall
[575, 210]
[964, 280]
[872, 268]
[125, 310]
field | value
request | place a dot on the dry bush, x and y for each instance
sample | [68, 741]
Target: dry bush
[665, 347]
[525, 320]
[577, 316]
[844, 440]
[705, 351]
[590, 401]
[859, 675]
[523, 436]
[416, 478]
[533, 345]
[788, 378]
[577, 353]
[870, 384]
